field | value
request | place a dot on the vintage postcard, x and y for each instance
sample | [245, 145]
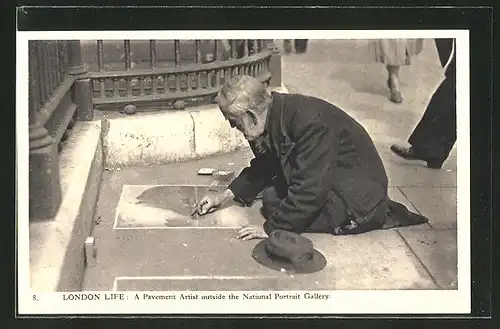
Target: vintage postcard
[243, 172]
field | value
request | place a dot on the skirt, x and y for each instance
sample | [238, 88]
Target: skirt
[395, 51]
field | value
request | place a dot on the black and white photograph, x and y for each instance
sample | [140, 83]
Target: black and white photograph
[243, 171]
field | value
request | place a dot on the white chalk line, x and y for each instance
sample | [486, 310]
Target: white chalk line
[142, 186]
[177, 228]
[188, 277]
[116, 209]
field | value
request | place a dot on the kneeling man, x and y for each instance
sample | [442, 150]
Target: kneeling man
[317, 168]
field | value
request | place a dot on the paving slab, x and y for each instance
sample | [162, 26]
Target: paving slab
[403, 174]
[396, 195]
[437, 250]
[155, 206]
[439, 204]
[415, 173]
[180, 172]
[212, 253]
[377, 260]
[170, 207]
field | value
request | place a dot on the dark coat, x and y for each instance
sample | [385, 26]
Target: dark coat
[323, 155]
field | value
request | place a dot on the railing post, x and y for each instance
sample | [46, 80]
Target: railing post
[44, 184]
[75, 58]
[274, 65]
[82, 88]
[82, 96]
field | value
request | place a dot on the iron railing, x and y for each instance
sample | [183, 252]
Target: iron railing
[50, 81]
[61, 91]
[173, 70]
[56, 100]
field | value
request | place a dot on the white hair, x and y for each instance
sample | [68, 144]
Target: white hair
[243, 93]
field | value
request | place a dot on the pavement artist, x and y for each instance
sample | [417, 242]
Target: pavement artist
[317, 168]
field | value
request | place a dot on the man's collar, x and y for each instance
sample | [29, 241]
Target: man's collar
[265, 134]
[269, 112]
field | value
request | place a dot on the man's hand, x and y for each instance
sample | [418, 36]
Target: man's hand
[210, 203]
[251, 232]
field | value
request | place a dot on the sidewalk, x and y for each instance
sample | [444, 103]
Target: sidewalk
[140, 254]
[348, 79]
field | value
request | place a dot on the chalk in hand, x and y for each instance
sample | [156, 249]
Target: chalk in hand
[194, 211]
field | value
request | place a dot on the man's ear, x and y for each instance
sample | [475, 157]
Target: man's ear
[253, 116]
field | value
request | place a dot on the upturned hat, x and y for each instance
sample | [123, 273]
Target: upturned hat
[289, 251]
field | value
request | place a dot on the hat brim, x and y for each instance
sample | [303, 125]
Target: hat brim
[317, 263]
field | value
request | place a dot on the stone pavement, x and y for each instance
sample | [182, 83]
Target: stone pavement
[137, 250]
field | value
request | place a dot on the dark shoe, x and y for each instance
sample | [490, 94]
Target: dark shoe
[411, 154]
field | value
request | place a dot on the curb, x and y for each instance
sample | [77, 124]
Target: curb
[151, 139]
[57, 246]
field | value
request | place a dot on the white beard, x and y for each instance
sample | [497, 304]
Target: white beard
[258, 146]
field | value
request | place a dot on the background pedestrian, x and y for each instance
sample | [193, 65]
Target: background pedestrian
[395, 53]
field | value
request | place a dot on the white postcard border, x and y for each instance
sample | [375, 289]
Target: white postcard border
[340, 302]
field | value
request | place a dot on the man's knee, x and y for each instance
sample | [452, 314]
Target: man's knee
[271, 197]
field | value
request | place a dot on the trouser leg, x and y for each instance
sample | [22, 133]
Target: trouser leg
[436, 133]
[325, 219]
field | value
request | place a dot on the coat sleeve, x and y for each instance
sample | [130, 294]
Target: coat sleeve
[254, 178]
[310, 181]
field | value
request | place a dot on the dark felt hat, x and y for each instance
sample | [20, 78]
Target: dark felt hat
[289, 251]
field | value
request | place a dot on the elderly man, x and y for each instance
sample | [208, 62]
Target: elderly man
[317, 167]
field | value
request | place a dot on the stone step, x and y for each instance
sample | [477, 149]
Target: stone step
[57, 245]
